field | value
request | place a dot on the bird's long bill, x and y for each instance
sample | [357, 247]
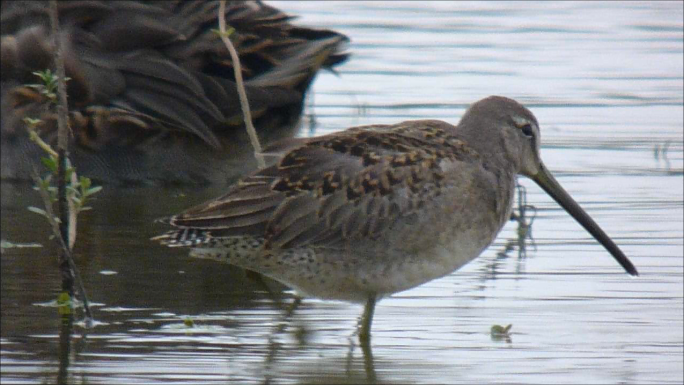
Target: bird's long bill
[547, 182]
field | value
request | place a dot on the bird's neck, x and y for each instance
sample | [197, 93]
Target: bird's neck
[496, 158]
[492, 150]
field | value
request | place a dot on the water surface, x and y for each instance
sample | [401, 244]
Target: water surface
[605, 81]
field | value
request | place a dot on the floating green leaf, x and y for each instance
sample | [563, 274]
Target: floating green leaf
[499, 332]
[64, 303]
[188, 322]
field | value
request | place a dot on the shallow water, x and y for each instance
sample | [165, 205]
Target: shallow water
[605, 81]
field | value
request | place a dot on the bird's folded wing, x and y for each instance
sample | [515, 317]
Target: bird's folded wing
[335, 189]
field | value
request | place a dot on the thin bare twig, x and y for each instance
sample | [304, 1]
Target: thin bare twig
[244, 103]
[62, 207]
[62, 134]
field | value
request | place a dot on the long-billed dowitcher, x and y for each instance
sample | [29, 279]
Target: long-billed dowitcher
[150, 82]
[363, 213]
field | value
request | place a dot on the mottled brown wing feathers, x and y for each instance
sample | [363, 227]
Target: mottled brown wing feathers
[245, 209]
[336, 188]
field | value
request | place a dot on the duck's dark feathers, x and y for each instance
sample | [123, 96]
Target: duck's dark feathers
[148, 74]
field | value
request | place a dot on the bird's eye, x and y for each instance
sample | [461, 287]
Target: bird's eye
[527, 130]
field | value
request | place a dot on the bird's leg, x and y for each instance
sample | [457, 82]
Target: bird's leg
[289, 311]
[293, 306]
[368, 362]
[273, 344]
[366, 320]
[274, 295]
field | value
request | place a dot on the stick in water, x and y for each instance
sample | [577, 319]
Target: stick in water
[244, 103]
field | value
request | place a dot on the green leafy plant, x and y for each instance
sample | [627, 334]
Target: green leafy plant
[48, 85]
[77, 190]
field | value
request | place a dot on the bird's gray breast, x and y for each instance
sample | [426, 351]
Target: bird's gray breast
[451, 228]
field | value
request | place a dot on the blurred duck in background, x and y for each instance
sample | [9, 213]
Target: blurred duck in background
[152, 94]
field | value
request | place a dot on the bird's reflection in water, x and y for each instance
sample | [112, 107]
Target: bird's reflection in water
[286, 324]
[524, 215]
[368, 362]
[274, 344]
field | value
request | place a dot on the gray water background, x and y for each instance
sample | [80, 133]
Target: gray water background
[605, 81]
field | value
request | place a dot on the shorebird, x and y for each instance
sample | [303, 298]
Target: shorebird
[151, 85]
[373, 210]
